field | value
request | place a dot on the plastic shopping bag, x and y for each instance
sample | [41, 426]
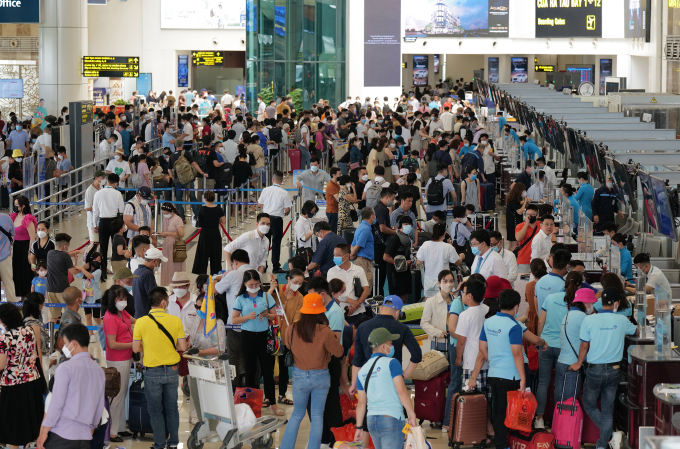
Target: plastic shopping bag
[415, 439]
[520, 411]
[345, 435]
[348, 406]
[252, 397]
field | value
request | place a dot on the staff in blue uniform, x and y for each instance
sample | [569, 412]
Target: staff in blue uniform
[529, 149]
[501, 120]
[568, 192]
[619, 240]
[602, 338]
[585, 194]
[605, 205]
[511, 132]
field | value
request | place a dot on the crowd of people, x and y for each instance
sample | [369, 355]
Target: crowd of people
[412, 162]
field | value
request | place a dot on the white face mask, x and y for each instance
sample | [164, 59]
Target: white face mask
[294, 287]
[42, 234]
[121, 305]
[446, 287]
[67, 352]
[42, 273]
[589, 310]
[180, 292]
[364, 178]
[144, 202]
[60, 157]
[264, 229]
[393, 145]
[167, 215]
[252, 290]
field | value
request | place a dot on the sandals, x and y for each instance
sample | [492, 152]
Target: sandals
[278, 412]
[265, 403]
[284, 400]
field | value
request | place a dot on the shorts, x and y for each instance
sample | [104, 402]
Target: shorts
[431, 287]
[96, 312]
[257, 171]
[51, 297]
[482, 383]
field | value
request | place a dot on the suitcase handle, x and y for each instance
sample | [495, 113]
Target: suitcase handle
[564, 383]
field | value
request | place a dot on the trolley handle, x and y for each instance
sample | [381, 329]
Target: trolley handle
[222, 357]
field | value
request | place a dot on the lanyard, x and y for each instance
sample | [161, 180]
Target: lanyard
[482, 261]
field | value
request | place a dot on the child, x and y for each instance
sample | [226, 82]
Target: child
[39, 283]
[119, 254]
[91, 274]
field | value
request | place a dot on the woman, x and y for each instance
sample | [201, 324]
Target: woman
[355, 159]
[42, 245]
[613, 280]
[143, 171]
[436, 255]
[570, 343]
[584, 195]
[289, 298]
[515, 203]
[395, 159]
[347, 196]
[91, 273]
[24, 235]
[253, 309]
[538, 270]
[216, 128]
[304, 229]
[32, 311]
[118, 330]
[205, 127]
[209, 218]
[312, 343]
[382, 157]
[416, 144]
[173, 228]
[555, 307]
[21, 384]
[568, 192]
[470, 189]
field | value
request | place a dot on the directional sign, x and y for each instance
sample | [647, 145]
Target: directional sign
[208, 58]
[111, 66]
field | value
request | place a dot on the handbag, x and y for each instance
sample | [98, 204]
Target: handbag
[179, 250]
[433, 364]
[354, 215]
[354, 165]
[288, 360]
[273, 336]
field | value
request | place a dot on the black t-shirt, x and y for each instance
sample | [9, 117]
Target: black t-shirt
[14, 171]
[176, 155]
[109, 116]
[40, 252]
[117, 241]
[209, 217]
[242, 172]
[511, 213]
[396, 248]
[525, 179]
[165, 165]
[359, 187]
[58, 264]
[210, 157]
[382, 216]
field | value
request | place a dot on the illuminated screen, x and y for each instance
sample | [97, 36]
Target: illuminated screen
[459, 18]
[663, 208]
[648, 200]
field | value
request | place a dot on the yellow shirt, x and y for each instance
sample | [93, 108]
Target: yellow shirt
[158, 350]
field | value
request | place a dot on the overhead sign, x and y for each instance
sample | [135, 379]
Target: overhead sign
[208, 58]
[19, 11]
[110, 66]
[544, 68]
[568, 18]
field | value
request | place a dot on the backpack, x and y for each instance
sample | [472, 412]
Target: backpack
[251, 158]
[469, 158]
[201, 160]
[435, 192]
[186, 173]
[297, 135]
[373, 194]
[400, 262]
[112, 383]
[412, 165]
[275, 134]
[224, 177]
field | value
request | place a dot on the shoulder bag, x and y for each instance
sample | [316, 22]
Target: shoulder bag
[165, 331]
[179, 250]
[370, 371]
[526, 242]
[273, 335]
[566, 321]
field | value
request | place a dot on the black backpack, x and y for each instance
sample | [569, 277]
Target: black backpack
[224, 177]
[435, 192]
[201, 160]
[275, 134]
[251, 159]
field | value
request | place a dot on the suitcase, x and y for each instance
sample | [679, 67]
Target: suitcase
[348, 235]
[467, 420]
[430, 399]
[537, 439]
[139, 421]
[567, 423]
[412, 313]
[482, 192]
[488, 192]
[416, 293]
[295, 157]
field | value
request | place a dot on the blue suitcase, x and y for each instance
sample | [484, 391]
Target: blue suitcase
[139, 421]
[488, 196]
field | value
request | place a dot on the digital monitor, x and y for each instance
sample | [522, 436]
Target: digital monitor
[663, 209]
[519, 70]
[583, 72]
[11, 88]
[622, 181]
[420, 70]
[458, 18]
[648, 200]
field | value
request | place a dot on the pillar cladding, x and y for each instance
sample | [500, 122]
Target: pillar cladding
[63, 43]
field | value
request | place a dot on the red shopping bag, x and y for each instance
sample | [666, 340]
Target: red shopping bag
[251, 396]
[520, 411]
[348, 406]
[346, 434]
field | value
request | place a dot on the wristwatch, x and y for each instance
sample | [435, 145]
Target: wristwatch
[359, 428]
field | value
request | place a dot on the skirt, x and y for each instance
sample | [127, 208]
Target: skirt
[22, 410]
[21, 268]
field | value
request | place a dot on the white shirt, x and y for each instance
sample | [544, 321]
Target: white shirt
[435, 125]
[230, 151]
[216, 129]
[89, 199]
[45, 140]
[447, 119]
[189, 130]
[303, 226]
[261, 111]
[489, 163]
[186, 314]
[274, 200]
[107, 203]
[469, 325]
[270, 146]
[105, 150]
[238, 128]
[550, 175]
[119, 142]
[121, 168]
[378, 180]
[437, 257]
[536, 192]
[257, 247]
[490, 264]
[304, 132]
[361, 130]
[227, 99]
[435, 316]
[511, 262]
[347, 276]
[656, 279]
[406, 134]
[540, 245]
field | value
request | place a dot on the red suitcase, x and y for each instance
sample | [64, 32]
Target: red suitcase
[295, 158]
[537, 439]
[430, 398]
[590, 431]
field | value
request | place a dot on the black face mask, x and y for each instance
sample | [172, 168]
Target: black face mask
[95, 265]
[16, 210]
[532, 219]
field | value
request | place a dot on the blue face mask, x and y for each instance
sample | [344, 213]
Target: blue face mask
[497, 249]
[337, 260]
[128, 288]
[473, 177]
[467, 145]
[475, 250]
[391, 353]
[363, 120]
[407, 229]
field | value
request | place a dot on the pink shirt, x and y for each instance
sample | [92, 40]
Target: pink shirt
[143, 169]
[21, 232]
[119, 326]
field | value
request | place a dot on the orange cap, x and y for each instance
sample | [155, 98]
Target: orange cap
[312, 304]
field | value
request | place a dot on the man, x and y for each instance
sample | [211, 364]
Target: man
[19, 139]
[168, 140]
[145, 283]
[373, 189]
[500, 342]
[406, 201]
[349, 273]
[381, 233]
[77, 402]
[605, 205]
[238, 128]
[529, 149]
[314, 178]
[343, 124]
[59, 264]
[537, 191]
[182, 302]
[107, 147]
[363, 250]
[187, 135]
[137, 212]
[487, 262]
[496, 242]
[360, 187]
[276, 202]
[526, 177]
[179, 187]
[227, 99]
[6, 271]
[271, 110]
[44, 141]
[332, 197]
[550, 176]
[328, 240]
[554, 281]
[73, 300]
[542, 242]
[437, 191]
[447, 119]
[230, 151]
[602, 338]
[524, 235]
[625, 259]
[468, 328]
[254, 242]
[656, 279]
[160, 365]
[107, 203]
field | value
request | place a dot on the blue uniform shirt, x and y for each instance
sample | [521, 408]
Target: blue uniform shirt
[570, 327]
[628, 311]
[455, 308]
[606, 333]
[501, 331]
[336, 317]
[383, 398]
[576, 208]
[584, 196]
[551, 283]
[531, 151]
[514, 136]
[524, 352]
[626, 264]
[501, 123]
[556, 309]
[247, 305]
[363, 237]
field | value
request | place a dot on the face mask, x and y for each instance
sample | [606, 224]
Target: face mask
[42, 234]
[128, 288]
[532, 219]
[264, 229]
[363, 120]
[407, 229]
[497, 249]
[392, 145]
[200, 313]
[390, 204]
[253, 290]
[484, 142]
[417, 175]
[294, 287]
[121, 305]
[391, 353]
[18, 159]
[167, 215]
[524, 194]
[314, 169]
[180, 292]
[144, 202]
[590, 310]
[467, 145]
[337, 260]
[67, 352]
[610, 185]
[364, 178]
[372, 125]
[476, 250]
[42, 273]
[60, 157]
[473, 177]
[446, 287]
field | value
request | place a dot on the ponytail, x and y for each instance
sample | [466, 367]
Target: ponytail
[571, 284]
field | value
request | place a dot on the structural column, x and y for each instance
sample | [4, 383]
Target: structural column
[63, 42]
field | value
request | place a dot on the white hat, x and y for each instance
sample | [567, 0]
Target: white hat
[155, 253]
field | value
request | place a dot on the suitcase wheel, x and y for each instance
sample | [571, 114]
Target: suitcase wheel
[420, 422]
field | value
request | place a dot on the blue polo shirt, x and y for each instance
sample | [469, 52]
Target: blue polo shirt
[501, 331]
[336, 317]
[627, 312]
[606, 333]
[383, 398]
[464, 150]
[626, 264]
[501, 123]
[573, 320]
[584, 196]
[455, 308]
[549, 284]
[576, 207]
[363, 237]
[324, 252]
[167, 137]
[556, 309]
[247, 305]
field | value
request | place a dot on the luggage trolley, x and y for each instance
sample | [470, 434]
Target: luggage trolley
[213, 398]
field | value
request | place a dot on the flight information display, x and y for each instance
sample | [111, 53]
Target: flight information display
[568, 18]
[111, 66]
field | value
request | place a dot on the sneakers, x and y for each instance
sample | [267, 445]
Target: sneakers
[93, 338]
[615, 442]
[538, 424]
[445, 429]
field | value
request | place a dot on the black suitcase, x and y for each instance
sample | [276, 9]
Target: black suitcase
[348, 235]
[139, 420]
[489, 200]
[416, 293]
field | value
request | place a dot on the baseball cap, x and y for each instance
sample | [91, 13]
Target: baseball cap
[312, 304]
[124, 273]
[495, 285]
[585, 295]
[403, 171]
[145, 193]
[393, 302]
[155, 253]
[610, 295]
[380, 336]
[99, 173]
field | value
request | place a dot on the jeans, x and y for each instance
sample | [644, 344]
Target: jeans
[312, 384]
[305, 158]
[499, 405]
[546, 363]
[569, 379]
[386, 431]
[601, 383]
[333, 221]
[179, 196]
[161, 385]
[456, 382]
